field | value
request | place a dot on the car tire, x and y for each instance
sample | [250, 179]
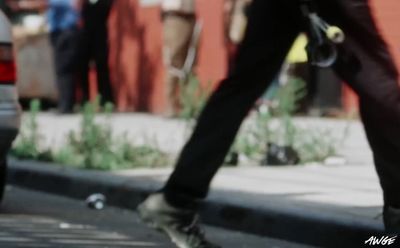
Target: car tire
[3, 177]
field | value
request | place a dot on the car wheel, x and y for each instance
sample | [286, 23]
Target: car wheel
[3, 177]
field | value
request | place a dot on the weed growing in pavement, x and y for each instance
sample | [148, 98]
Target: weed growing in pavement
[93, 146]
[273, 123]
[193, 97]
[28, 143]
[145, 155]
[315, 145]
[312, 144]
[93, 142]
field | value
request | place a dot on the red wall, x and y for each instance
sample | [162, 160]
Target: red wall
[135, 56]
[387, 13]
[136, 50]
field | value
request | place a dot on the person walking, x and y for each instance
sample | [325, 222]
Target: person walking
[364, 62]
[94, 46]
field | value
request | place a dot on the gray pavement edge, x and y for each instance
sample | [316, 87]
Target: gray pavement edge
[284, 223]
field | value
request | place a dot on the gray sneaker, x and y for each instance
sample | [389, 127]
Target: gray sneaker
[180, 225]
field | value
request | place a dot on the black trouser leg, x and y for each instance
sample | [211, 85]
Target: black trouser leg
[102, 66]
[85, 53]
[365, 63]
[66, 89]
[273, 26]
[95, 17]
[65, 49]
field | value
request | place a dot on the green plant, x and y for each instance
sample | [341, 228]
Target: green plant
[287, 99]
[94, 141]
[193, 97]
[274, 123]
[315, 145]
[67, 155]
[251, 141]
[312, 144]
[145, 155]
[27, 145]
[95, 147]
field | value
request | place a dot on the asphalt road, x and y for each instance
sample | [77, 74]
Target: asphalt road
[34, 219]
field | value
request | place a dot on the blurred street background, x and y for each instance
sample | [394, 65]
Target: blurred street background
[111, 91]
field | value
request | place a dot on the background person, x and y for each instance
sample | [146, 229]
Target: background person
[63, 18]
[179, 20]
[94, 47]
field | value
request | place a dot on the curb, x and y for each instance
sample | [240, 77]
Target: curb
[288, 223]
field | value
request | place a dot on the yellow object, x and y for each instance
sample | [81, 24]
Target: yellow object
[297, 53]
[335, 34]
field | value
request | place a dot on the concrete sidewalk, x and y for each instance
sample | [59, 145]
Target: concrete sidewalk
[170, 134]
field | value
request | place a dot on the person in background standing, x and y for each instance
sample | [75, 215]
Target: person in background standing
[63, 18]
[94, 46]
[179, 19]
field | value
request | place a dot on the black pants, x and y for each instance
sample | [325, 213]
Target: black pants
[65, 45]
[364, 63]
[94, 46]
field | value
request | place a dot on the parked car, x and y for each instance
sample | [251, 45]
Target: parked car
[9, 106]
